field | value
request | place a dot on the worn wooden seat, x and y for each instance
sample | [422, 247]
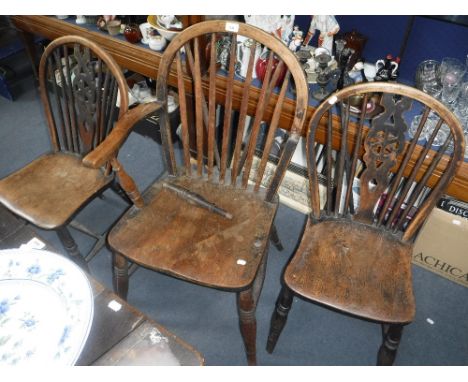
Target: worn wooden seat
[80, 86]
[209, 220]
[373, 182]
[36, 192]
[333, 267]
[185, 240]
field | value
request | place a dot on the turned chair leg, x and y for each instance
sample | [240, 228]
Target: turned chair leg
[389, 347]
[275, 240]
[248, 324]
[71, 248]
[120, 275]
[117, 188]
[279, 317]
[246, 305]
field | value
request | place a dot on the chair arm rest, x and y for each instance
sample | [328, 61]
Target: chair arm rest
[107, 148]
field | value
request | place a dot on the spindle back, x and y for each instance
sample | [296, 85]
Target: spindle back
[371, 161]
[225, 147]
[80, 84]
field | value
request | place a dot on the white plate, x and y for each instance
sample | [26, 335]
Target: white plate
[46, 308]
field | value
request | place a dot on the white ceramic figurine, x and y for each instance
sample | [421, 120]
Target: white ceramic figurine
[328, 27]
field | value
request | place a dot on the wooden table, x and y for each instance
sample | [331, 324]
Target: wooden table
[120, 334]
[142, 60]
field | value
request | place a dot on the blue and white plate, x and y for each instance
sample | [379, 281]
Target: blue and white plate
[46, 308]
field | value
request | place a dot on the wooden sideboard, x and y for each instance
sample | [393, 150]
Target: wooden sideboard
[142, 60]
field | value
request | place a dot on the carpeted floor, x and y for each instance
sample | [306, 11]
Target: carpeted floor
[207, 318]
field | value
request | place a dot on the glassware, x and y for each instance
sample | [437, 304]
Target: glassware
[462, 104]
[429, 126]
[414, 127]
[323, 74]
[339, 46]
[451, 71]
[427, 77]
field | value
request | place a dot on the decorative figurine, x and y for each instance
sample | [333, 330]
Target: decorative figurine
[286, 24]
[224, 48]
[270, 23]
[80, 19]
[243, 56]
[328, 27]
[280, 26]
[296, 39]
[387, 69]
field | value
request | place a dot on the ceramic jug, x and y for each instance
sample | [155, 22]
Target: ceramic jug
[262, 64]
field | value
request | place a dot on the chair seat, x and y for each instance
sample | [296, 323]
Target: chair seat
[354, 268]
[173, 236]
[49, 190]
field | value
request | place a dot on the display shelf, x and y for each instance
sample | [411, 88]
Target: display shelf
[140, 59]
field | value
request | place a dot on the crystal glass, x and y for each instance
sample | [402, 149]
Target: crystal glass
[442, 134]
[340, 44]
[451, 71]
[462, 104]
[414, 127]
[427, 77]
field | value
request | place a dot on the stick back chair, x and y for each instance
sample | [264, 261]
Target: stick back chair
[373, 182]
[208, 222]
[80, 85]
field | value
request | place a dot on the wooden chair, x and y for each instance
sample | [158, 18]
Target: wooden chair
[355, 253]
[208, 222]
[79, 86]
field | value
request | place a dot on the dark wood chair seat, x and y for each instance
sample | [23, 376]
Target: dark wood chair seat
[332, 267]
[49, 190]
[195, 244]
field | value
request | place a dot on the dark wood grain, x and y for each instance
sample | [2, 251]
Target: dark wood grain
[110, 327]
[45, 191]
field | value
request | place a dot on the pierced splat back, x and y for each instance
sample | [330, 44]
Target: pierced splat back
[368, 165]
[80, 84]
[223, 149]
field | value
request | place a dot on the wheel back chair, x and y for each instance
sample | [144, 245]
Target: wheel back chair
[373, 183]
[80, 85]
[208, 221]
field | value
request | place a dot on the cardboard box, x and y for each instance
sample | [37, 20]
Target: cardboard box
[442, 243]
